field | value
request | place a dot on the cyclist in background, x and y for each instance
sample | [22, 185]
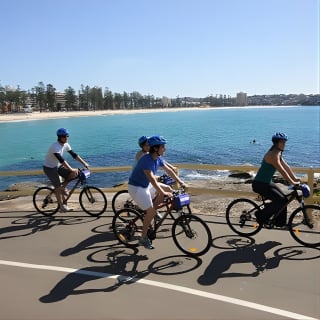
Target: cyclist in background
[143, 143]
[262, 183]
[55, 166]
[144, 187]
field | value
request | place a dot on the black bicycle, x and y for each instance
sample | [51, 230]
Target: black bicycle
[303, 223]
[190, 233]
[92, 199]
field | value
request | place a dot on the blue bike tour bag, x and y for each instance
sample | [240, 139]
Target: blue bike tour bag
[181, 200]
[167, 180]
[85, 174]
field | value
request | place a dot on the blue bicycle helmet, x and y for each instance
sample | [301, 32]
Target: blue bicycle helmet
[156, 141]
[142, 140]
[62, 132]
[305, 190]
[279, 136]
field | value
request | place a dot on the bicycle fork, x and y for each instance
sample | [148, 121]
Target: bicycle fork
[186, 228]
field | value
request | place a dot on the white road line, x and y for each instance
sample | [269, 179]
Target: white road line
[199, 293]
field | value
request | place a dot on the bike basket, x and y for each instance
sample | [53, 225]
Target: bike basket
[181, 200]
[167, 180]
[85, 174]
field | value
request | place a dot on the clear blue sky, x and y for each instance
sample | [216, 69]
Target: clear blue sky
[162, 47]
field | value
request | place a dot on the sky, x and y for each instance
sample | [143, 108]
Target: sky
[172, 48]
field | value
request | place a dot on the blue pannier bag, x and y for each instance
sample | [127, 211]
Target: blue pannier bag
[181, 200]
[85, 174]
[167, 180]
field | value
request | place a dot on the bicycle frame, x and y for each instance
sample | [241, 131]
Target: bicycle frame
[290, 197]
[169, 208]
[79, 181]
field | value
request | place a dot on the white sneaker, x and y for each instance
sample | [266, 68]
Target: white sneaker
[158, 216]
[65, 208]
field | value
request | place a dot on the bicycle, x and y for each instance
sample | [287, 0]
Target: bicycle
[303, 223]
[190, 233]
[92, 199]
[122, 198]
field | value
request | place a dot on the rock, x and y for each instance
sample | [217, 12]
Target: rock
[240, 175]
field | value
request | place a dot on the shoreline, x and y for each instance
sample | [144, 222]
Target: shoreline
[31, 116]
[25, 116]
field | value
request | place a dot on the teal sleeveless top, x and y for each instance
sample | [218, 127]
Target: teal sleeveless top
[265, 172]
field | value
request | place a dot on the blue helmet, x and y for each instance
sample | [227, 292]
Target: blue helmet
[279, 136]
[62, 132]
[142, 140]
[156, 141]
[305, 190]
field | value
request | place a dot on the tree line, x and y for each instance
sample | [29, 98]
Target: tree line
[46, 98]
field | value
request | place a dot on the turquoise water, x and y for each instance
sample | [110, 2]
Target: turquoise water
[209, 136]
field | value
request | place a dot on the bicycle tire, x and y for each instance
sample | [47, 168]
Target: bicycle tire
[45, 201]
[127, 226]
[304, 225]
[93, 201]
[121, 200]
[191, 235]
[240, 217]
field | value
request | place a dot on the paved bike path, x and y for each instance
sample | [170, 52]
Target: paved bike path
[72, 267]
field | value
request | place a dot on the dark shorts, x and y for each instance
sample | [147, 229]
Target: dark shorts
[55, 173]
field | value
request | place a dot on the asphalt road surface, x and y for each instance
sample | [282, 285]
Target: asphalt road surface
[71, 267]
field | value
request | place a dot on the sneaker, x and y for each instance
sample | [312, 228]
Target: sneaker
[146, 243]
[65, 208]
[158, 216]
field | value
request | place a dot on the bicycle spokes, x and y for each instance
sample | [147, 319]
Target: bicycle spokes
[304, 225]
[241, 218]
[191, 235]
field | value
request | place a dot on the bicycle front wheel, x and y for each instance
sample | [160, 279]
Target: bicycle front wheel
[304, 225]
[93, 201]
[191, 235]
[127, 226]
[45, 201]
[241, 218]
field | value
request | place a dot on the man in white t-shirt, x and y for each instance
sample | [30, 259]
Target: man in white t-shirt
[55, 165]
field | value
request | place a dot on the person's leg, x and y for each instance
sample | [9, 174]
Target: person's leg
[278, 200]
[53, 176]
[142, 197]
[158, 199]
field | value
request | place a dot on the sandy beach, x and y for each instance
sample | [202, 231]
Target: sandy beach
[24, 116]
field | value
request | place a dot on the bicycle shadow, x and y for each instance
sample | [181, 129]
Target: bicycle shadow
[34, 223]
[119, 260]
[119, 264]
[251, 253]
[100, 236]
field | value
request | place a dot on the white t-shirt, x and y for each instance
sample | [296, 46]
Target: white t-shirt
[51, 160]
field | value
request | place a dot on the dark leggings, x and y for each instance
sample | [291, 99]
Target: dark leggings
[278, 200]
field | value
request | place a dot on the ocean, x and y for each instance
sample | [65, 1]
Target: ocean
[208, 136]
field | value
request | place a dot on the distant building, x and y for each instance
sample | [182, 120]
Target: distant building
[60, 101]
[242, 99]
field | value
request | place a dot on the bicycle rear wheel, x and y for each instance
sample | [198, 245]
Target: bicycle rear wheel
[304, 225]
[191, 235]
[122, 199]
[45, 201]
[241, 218]
[93, 201]
[127, 226]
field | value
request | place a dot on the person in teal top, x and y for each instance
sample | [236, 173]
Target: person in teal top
[262, 183]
